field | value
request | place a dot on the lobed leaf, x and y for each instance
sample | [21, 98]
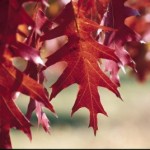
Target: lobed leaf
[82, 54]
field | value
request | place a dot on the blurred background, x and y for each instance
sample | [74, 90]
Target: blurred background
[128, 121]
[127, 126]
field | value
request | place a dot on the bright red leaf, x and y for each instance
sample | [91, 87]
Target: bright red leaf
[82, 54]
[11, 116]
[80, 22]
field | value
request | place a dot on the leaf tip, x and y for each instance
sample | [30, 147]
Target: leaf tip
[119, 96]
[29, 135]
[72, 113]
[94, 129]
[105, 113]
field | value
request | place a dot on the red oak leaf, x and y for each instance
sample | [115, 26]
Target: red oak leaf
[115, 18]
[13, 14]
[42, 118]
[82, 54]
[12, 116]
[42, 24]
[20, 82]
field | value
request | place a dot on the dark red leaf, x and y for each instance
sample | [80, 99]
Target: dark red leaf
[115, 18]
[11, 15]
[141, 55]
[11, 116]
[12, 80]
[27, 52]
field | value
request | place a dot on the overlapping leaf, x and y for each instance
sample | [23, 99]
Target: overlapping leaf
[82, 54]
[20, 82]
[10, 117]
[93, 8]
[12, 80]
[115, 18]
[140, 54]
[11, 15]
[41, 24]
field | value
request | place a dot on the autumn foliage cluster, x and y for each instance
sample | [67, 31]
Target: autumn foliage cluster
[93, 50]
